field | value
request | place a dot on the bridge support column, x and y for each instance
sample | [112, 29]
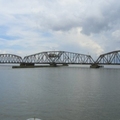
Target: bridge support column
[65, 64]
[53, 65]
[95, 66]
[27, 64]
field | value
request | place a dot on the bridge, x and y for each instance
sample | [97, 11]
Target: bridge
[111, 58]
[54, 58]
[10, 59]
[58, 57]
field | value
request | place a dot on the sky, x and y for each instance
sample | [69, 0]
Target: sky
[81, 26]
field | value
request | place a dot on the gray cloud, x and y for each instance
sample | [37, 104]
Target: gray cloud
[94, 25]
[93, 17]
[91, 25]
[108, 19]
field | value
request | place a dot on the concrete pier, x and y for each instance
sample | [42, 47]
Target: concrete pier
[95, 66]
[53, 65]
[25, 65]
[65, 64]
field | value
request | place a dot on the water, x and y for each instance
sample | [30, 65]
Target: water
[61, 93]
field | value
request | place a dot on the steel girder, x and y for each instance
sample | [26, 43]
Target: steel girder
[112, 58]
[10, 58]
[58, 57]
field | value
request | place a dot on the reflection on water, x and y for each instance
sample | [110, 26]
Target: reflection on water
[62, 93]
[34, 119]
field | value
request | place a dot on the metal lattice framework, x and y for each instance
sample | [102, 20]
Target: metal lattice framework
[58, 57]
[10, 58]
[112, 58]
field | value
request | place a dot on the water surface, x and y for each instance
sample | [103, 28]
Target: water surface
[61, 93]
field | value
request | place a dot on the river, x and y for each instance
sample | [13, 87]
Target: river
[59, 93]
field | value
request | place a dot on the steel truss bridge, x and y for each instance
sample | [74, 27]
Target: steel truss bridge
[111, 58]
[61, 57]
[58, 57]
[49, 57]
[10, 58]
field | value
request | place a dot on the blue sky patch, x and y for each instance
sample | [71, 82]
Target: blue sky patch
[7, 37]
[3, 30]
[46, 34]
[3, 34]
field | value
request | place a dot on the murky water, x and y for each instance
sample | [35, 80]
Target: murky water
[61, 93]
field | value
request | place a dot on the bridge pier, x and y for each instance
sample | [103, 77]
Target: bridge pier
[65, 64]
[53, 65]
[26, 64]
[95, 65]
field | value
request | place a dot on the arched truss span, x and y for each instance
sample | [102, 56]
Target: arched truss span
[10, 58]
[112, 58]
[58, 57]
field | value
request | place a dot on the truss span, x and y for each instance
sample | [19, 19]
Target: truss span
[10, 58]
[112, 58]
[58, 57]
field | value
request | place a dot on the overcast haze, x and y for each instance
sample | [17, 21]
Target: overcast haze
[81, 26]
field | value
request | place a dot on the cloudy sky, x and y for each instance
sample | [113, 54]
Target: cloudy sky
[81, 26]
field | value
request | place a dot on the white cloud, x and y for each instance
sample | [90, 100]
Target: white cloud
[79, 41]
[76, 26]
